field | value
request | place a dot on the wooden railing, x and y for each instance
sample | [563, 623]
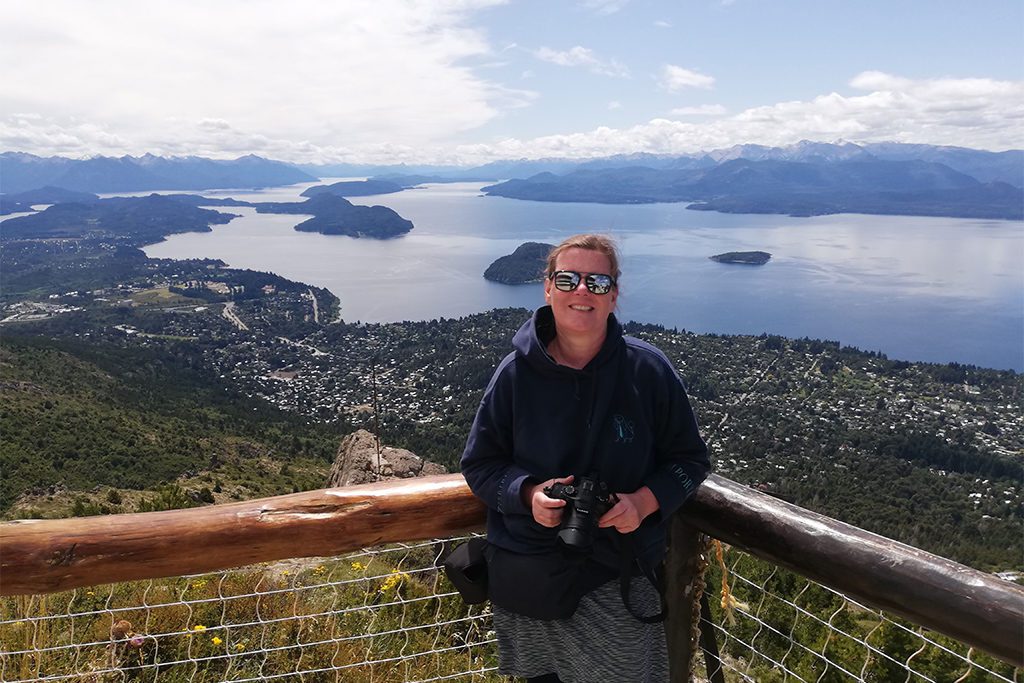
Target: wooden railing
[43, 556]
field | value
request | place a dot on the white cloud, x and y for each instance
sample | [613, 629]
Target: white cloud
[604, 7]
[321, 75]
[675, 78]
[661, 23]
[614, 104]
[975, 112]
[581, 56]
[979, 113]
[876, 80]
[702, 110]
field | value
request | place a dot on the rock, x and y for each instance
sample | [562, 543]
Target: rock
[358, 462]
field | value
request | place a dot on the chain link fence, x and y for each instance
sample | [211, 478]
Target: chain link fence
[387, 614]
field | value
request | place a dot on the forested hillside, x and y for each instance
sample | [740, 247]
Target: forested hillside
[77, 416]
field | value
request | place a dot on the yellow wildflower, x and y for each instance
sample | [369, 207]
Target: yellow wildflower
[90, 593]
[358, 566]
[216, 641]
[392, 581]
[239, 647]
[198, 627]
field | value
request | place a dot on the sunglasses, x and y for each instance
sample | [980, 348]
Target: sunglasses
[569, 280]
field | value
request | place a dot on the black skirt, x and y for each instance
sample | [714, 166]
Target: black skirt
[601, 642]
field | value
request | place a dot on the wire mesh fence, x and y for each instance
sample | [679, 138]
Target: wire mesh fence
[387, 614]
[775, 625]
[384, 614]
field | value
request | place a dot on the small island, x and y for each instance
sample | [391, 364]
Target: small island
[749, 258]
[526, 264]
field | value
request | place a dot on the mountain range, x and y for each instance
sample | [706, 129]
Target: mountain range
[985, 166]
[22, 172]
[807, 178]
[804, 179]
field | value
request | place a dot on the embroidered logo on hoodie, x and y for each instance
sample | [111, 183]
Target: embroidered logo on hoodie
[623, 429]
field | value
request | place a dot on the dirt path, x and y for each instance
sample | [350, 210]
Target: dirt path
[316, 309]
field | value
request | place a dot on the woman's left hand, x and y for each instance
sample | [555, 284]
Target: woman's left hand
[631, 509]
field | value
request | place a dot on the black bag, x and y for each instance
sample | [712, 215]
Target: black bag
[466, 568]
[542, 586]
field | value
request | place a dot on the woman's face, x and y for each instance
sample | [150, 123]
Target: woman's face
[580, 311]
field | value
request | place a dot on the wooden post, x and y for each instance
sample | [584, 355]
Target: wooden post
[683, 566]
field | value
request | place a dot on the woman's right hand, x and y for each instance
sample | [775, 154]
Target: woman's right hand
[546, 511]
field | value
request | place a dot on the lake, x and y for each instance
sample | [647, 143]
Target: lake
[934, 289]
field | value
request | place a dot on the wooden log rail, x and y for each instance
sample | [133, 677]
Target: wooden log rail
[44, 556]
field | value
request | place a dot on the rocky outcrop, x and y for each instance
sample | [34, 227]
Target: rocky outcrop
[358, 462]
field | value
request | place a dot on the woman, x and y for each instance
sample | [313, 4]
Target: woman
[578, 399]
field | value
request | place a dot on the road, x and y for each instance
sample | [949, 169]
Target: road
[229, 313]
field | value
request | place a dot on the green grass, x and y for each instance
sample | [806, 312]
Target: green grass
[258, 621]
[162, 296]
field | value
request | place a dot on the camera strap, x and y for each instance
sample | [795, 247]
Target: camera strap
[629, 558]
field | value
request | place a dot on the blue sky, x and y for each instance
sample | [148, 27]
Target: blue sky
[758, 52]
[469, 81]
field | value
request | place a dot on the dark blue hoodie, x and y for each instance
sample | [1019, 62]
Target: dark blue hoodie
[625, 417]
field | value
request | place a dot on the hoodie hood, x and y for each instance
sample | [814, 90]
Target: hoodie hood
[531, 343]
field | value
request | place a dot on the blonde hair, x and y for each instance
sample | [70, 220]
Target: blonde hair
[591, 242]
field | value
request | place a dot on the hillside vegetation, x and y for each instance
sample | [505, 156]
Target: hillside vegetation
[79, 418]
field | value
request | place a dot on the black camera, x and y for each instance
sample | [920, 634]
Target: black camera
[586, 500]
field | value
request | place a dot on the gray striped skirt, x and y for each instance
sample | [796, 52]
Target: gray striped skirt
[601, 642]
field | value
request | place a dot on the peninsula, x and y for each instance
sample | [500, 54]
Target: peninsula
[138, 220]
[150, 219]
[355, 188]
